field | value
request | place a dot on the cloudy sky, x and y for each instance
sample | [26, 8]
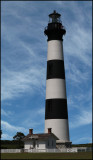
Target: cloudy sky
[23, 66]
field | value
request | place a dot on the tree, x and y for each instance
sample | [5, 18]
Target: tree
[19, 136]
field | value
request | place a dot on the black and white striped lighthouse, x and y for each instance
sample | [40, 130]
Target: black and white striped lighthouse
[56, 113]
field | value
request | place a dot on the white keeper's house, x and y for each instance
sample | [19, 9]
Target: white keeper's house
[40, 141]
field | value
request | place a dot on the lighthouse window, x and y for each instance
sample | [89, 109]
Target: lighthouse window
[55, 25]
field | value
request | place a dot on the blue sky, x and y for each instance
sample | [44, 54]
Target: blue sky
[23, 66]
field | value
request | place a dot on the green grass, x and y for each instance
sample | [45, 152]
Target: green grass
[80, 155]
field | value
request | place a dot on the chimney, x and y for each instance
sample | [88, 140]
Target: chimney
[30, 131]
[49, 130]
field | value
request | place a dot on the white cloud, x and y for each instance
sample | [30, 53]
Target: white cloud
[8, 127]
[26, 73]
[28, 49]
[84, 118]
[6, 136]
[79, 99]
[7, 104]
[41, 111]
[30, 122]
[78, 80]
[77, 75]
[34, 118]
[83, 140]
[8, 130]
[19, 82]
[78, 44]
[6, 113]
[85, 96]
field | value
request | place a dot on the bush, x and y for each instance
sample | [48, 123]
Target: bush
[6, 144]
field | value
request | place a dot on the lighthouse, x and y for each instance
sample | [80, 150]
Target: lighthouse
[56, 113]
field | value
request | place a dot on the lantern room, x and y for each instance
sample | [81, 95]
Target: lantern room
[54, 17]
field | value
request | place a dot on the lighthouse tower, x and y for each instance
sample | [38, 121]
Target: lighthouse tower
[56, 113]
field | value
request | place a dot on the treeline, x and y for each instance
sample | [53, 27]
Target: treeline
[16, 143]
[11, 144]
[83, 145]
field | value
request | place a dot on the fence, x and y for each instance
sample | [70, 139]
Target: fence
[41, 150]
[52, 150]
[12, 150]
[72, 150]
[64, 150]
[84, 149]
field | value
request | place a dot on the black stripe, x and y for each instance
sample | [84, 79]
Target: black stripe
[54, 35]
[55, 69]
[54, 31]
[56, 109]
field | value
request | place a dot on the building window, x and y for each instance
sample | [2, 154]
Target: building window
[52, 143]
[48, 143]
[37, 144]
[34, 144]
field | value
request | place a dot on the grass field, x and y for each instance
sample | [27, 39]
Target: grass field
[80, 155]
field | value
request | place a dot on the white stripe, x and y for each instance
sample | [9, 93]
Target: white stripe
[59, 128]
[55, 50]
[55, 88]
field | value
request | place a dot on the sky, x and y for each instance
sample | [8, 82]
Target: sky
[24, 62]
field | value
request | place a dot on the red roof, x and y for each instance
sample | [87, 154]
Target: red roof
[39, 136]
